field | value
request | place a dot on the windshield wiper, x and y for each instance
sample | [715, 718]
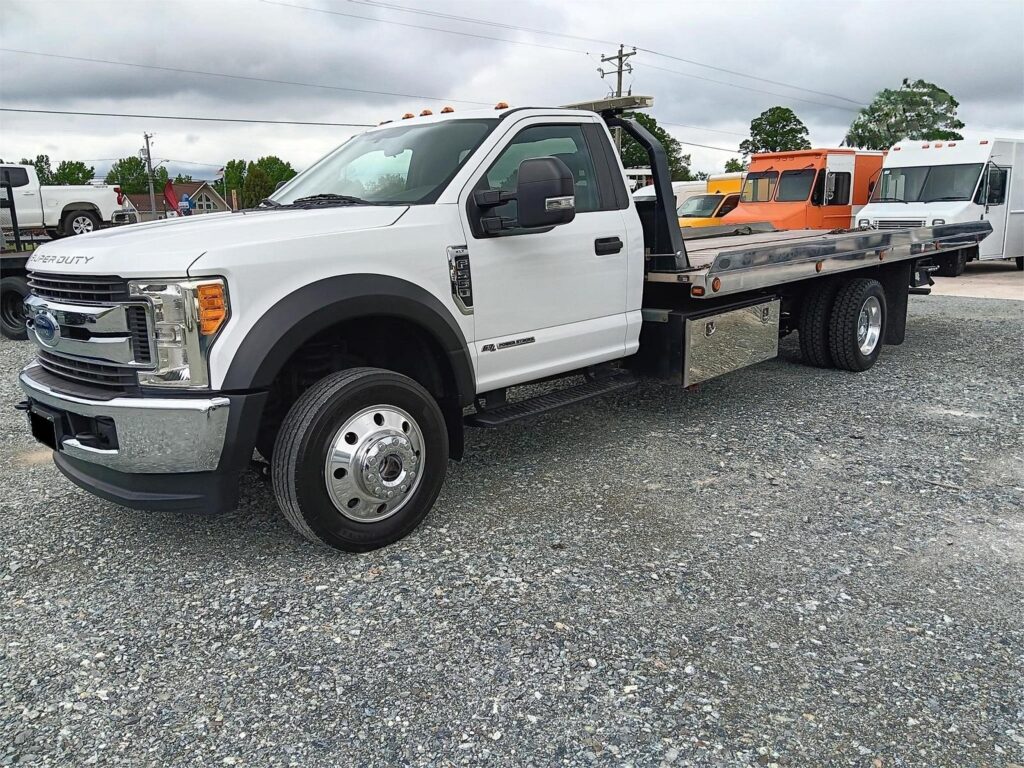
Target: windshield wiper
[269, 203]
[940, 199]
[331, 198]
[888, 200]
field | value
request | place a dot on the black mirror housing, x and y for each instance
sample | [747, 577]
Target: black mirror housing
[546, 193]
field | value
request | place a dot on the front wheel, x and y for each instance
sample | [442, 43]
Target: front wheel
[857, 324]
[13, 292]
[1020, 263]
[360, 459]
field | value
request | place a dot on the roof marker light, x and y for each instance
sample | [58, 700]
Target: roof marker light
[925, 146]
[425, 113]
[447, 110]
[983, 141]
[951, 144]
[938, 145]
[501, 105]
[407, 115]
[896, 149]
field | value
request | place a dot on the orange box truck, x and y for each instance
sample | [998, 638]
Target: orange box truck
[807, 189]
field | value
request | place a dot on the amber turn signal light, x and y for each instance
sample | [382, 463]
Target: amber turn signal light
[213, 308]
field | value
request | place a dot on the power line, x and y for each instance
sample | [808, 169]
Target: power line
[178, 70]
[421, 26]
[504, 25]
[748, 88]
[702, 128]
[184, 117]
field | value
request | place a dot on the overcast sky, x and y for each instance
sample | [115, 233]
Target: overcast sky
[852, 50]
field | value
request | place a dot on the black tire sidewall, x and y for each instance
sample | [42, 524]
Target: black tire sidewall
[19, 286]
[72, 215]
[319, 512]
[861, 361]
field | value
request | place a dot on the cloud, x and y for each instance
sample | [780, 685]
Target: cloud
[853, 50]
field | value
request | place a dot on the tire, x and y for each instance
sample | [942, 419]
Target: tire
[80, 223]
[13, 292]
[328, 491]
[952, 265]
[814, 324]
[53, 233]
[1020, 263]
[857, 324]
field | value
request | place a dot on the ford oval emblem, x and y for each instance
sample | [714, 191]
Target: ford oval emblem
[46, 328]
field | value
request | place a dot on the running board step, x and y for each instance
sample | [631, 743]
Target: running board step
[560, 398]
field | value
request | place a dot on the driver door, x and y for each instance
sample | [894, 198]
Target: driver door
[546, 302]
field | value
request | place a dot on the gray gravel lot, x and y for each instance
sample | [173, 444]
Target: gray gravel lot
[790, 566]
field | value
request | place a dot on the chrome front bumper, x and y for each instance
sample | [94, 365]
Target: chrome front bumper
[154, 435]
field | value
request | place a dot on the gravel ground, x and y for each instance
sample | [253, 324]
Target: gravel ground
[790, 566]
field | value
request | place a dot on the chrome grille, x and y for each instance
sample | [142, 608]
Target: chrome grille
[899, 223]
[78, 288]
[87, 372]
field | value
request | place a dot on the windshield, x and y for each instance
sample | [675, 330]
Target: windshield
[701, 206]
[927, 183]
[795, 185]
[759, 186]
[406, 164]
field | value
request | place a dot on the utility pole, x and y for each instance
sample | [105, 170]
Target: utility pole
[621, 66]
[149, 167]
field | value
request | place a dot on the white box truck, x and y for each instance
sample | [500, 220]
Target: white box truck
[929, 183]
[391, 295]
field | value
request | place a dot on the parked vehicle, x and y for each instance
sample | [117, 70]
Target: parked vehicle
[807, 189]
[722, 195]
[683, 191]
[422, 268]
[942, 182]
[63, 210]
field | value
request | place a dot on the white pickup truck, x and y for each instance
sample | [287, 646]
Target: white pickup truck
[350, 327]
[62, 210]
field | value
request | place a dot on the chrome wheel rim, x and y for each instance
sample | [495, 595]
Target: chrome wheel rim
[869, 325]
[81, 225]
[374, 462]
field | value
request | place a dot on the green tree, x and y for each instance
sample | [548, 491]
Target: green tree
[277, 170]
[182, 178]
[734, 165]
[129, 173]
[234, 177]
[917, 110]
[42, 166]
[257, 185]
[777, 129]
[635, 156]
[73, 172]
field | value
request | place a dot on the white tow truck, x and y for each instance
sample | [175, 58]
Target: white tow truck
[355, 323]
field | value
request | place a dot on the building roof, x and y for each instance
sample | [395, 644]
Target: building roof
[191, 188]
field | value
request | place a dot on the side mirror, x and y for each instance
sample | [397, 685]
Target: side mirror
[544, 194]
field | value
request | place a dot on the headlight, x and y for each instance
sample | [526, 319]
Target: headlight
[187, 315]
[936, 222]
[863, 222]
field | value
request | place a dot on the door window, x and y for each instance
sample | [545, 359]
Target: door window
[18, 177]
[566, 142]
[837, 188]
[997, 177]
[728, 205]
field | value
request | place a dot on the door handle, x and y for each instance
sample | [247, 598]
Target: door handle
[605, 246]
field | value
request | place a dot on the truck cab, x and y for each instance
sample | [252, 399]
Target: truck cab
[721, 196]
[807, 189]
[923, 183]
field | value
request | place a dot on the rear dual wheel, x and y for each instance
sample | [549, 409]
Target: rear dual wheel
[360, 459]
[843, 326]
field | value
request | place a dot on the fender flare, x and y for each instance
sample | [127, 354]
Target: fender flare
[300, 315]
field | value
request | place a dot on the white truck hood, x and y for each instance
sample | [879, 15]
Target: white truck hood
[167, 248]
